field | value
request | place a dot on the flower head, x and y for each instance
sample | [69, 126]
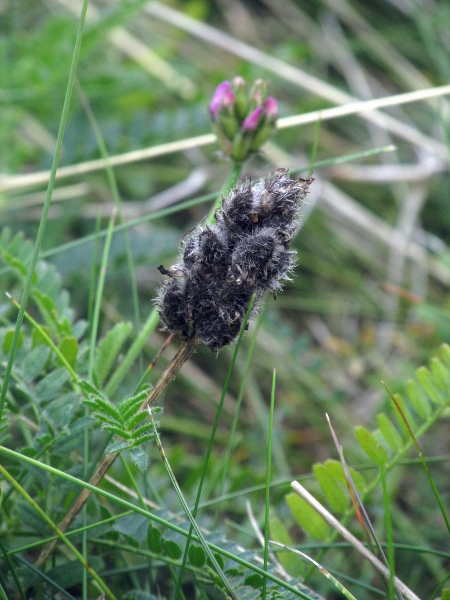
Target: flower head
[242, 120]
[245, 253]
[222, 90]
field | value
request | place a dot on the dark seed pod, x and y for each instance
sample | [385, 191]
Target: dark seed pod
[172, 307]
[245, 253]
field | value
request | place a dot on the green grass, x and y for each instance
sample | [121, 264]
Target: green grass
[369, 301]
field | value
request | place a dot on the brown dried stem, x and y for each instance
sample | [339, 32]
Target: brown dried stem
[186, 349]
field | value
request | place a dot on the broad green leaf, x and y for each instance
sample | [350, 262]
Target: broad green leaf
[108, 349]
[292, 563]
[69, 349]
[133, 527]
[139, 457]
[61, 412]
[79, 329]
[197, 556]
[335, 495]
[390, 433]
[254, 580]
[429, 385]
[219, 560]
[70, 573]
[445, 352]
[46, 306]
[335, 469]
[8, 339]
[34, 363]
[81, 423]
[445, 595]
[172, 549]
[371, 447]
[154, 540]
[307, 517]
[37, 339]
[29, 518]
[441, 374]
[73, 440]
[48, 280]
[418, 399]
[49, 387]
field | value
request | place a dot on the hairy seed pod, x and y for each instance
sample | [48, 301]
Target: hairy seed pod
[223, 265]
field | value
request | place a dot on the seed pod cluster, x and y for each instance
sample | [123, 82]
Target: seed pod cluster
[245, 252]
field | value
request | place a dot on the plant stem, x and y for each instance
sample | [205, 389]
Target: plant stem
[186, 349]
[228, 185]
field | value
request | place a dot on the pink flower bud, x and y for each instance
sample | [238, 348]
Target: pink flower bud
[239, 82]
[251, 122]
[228, 100]
[219, 95]
[271, 108]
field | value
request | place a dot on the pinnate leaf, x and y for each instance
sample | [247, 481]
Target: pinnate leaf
[441, 374]
[390, 433]
[429, 385]
[335, 495]
[197, 556]
[335, 468]
[172, 549]
[370, 445]
[139, 457]
[279, 533]
[69, 349]
[154, 539]
[307, 517]
[418, 399]
[49, 387]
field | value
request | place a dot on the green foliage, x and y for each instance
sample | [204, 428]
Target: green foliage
[307, 517]
[108, 350]
[371, 446]
[290, 562]
[337, 328]
[336, 497]
[124, 420]
[384, 446]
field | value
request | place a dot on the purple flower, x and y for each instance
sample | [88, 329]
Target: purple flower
[223, 91]
[251, 122]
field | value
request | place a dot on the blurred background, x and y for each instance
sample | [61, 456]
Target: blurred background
[370, 297]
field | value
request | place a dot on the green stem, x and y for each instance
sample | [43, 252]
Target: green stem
[189, 515]
[59, 533]
[230, 182]
[237, 410]
[211, 441]
[51, 183]
[138, 510]
[389, 535]
[269, 464]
